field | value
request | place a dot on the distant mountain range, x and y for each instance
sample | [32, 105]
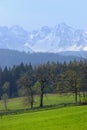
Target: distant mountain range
[57, 39]
[11, 57]
[60, 43]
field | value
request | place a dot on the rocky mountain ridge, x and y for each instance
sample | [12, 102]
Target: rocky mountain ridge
[57, 39]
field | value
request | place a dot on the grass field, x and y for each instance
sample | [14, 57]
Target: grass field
[49, 99]
[68, 118]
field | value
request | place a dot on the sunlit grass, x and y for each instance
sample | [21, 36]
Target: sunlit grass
[49, 99]
[68, 118]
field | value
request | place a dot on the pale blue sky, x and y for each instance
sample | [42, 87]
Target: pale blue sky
[32, 14]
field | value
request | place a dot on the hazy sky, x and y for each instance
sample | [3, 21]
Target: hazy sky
[32, 14]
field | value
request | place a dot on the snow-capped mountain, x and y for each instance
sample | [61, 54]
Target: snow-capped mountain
[59, 38]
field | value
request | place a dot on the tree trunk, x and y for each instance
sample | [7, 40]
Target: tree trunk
[5, 103]
[31, 98]
[41, 95]
[76, 90]
[79, 97]
[41, 99]
[32, 101]
[75, 95]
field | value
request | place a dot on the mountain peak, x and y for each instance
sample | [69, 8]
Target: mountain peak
[60, 38]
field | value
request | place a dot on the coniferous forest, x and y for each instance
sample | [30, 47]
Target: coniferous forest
[27, 80]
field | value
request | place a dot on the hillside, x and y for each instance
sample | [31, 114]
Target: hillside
[11, 57]
[69, 118]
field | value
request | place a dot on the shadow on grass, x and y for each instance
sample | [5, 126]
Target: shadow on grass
[36, 109]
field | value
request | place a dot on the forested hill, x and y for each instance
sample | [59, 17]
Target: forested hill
[11, 57]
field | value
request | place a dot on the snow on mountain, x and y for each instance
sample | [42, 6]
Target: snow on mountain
[59, 38]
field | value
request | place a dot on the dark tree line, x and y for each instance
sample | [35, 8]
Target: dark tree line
[27, 80]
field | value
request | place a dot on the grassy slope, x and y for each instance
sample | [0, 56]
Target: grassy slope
[49, 99]
[69, 118]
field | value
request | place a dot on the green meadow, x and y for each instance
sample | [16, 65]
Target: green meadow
[58, 117]
[67, 118]
[49, 99]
